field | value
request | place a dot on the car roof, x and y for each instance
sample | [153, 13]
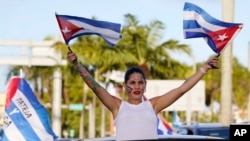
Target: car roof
[164, 137]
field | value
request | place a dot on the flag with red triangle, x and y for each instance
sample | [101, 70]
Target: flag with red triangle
[73, 26]
[198, 23]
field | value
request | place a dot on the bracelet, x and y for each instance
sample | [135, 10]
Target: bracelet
[202, 70]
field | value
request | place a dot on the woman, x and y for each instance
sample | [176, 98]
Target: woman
[135, 118]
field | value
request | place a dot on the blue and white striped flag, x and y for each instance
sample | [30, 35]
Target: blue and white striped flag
[25, 119]
[72, 26]
[198, 23]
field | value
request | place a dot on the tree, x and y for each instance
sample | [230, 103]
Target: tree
[144, 42]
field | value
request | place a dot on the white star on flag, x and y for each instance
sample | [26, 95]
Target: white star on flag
[222, 37]
[66, 30]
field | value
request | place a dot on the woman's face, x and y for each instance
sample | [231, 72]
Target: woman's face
[135, 86]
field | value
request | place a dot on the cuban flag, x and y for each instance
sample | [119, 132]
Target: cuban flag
[25, 119]
[73, 26]
[198, 23]
[176, 121]
[163, 128]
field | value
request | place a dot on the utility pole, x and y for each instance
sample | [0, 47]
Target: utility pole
[226, 116]
[248, 101]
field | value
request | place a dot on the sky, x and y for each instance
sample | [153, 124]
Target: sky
[34, 20]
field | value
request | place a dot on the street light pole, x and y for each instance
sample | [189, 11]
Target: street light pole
[226, 116]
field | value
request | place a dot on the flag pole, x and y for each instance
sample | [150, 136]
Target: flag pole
[69, 48]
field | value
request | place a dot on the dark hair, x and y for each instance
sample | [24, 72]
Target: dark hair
[132, 70]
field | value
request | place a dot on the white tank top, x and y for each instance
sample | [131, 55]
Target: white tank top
[136, 122]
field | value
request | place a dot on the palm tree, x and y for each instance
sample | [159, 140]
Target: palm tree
[143, 42]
